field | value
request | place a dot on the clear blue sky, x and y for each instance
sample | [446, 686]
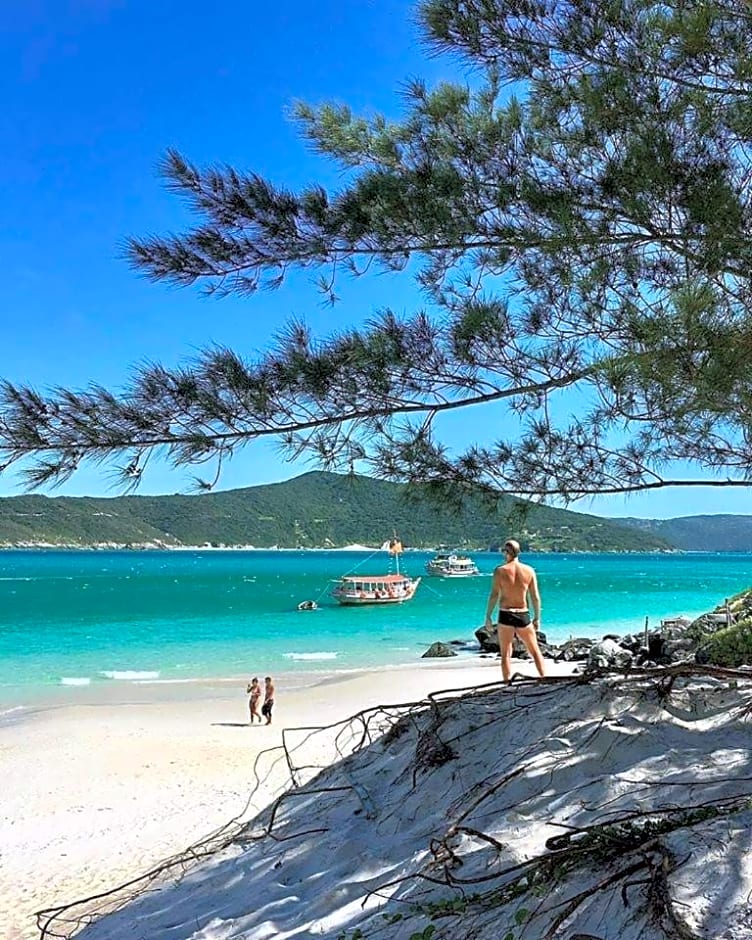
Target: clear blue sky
[94, 91]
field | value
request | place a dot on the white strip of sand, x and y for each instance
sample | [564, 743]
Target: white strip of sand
[96, 794]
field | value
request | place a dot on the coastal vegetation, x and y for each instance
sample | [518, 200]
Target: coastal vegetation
[717, 533]
[731, 646]
[577, 216]
[315, 510]
[328, 510]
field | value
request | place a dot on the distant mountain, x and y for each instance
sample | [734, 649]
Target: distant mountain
[313, 510]
[724, 533]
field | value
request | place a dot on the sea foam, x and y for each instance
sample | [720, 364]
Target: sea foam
[128, 675]
[75, 680]
[13, 710]
[310, 656]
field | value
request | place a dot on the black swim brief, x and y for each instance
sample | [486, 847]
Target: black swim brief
[519, 619]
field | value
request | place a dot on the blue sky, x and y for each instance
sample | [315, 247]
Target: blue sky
[94, 91]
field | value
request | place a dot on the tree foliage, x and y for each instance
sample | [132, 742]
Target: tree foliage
[577, 217]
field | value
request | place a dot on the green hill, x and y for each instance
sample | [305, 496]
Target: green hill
[721, 533]
[313, 510]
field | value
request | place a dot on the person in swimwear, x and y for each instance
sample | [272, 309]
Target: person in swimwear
[511, 585]
[254, 691]
[266, 708]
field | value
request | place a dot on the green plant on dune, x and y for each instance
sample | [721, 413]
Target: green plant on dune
[730, 647]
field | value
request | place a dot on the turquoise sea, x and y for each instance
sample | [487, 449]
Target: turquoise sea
[73, 620]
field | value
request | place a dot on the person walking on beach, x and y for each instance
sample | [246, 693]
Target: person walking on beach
[512, 583]
[266, 708]
[254, 690]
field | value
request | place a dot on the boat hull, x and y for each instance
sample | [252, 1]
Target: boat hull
[349, 600]
[362, 592]
[452, 566]
[445, 573]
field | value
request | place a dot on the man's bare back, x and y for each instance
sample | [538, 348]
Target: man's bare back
[512, 583]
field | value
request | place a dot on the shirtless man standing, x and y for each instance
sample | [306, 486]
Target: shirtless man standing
[512, 582]
[266, 708]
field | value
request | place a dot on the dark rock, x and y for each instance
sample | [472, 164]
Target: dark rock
[489, 641]
[674, 650]
[438, 650]
[702, 655]
[577, 649]
[608, 654]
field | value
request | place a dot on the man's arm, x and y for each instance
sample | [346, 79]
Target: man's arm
[535, 598]
[493, 597]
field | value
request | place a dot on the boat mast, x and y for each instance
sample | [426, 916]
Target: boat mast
[395, 548]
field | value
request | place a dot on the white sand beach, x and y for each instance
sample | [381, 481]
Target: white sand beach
[96, 794]
[383, 832]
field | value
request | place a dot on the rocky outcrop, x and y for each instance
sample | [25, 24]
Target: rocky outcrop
[679, 640]
[489, 641]
[438, 649]
[576, 650]
[608, 654]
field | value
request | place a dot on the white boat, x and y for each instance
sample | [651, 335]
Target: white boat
[392, 588]
[451, 565]
[358, 589]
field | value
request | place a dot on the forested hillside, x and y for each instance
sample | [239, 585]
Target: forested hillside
[722, 533]
[313, 510]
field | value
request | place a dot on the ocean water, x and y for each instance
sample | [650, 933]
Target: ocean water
[72, 620]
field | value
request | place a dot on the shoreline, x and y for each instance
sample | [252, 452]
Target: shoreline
[97, 794]
[157, 692]
[135, 685]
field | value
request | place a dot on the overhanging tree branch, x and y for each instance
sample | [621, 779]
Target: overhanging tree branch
[584, 250]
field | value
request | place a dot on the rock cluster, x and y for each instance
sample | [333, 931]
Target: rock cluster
[678, 640]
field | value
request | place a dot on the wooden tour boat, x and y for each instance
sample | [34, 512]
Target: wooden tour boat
[393, 588]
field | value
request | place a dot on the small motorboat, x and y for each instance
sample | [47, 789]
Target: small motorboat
[308, 605]
[452, 565]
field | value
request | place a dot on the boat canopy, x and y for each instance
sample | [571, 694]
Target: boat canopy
[381, 578]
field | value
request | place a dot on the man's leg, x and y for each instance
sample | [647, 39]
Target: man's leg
[506, 638]
[529, 638]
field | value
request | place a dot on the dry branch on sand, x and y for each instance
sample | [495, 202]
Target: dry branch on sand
[597, 806]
